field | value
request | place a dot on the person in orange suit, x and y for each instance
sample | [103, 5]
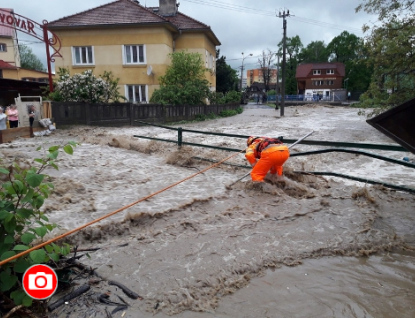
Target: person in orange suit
[266, 154]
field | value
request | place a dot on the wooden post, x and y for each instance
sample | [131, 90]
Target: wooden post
[88, 113]
[131, 114]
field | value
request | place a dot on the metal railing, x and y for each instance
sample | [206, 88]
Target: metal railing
[339, 147]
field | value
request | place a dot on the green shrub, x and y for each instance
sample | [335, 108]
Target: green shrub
[233, 97]
[22, 223]
[228, 113]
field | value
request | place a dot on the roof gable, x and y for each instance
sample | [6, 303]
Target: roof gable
[120, 12]
[126, 13]
[303, 70]
[4, 65]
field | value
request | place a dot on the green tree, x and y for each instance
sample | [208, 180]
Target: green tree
[294, 47]
[350, 50]
[29, 60]
[391, 47]
[226, 76]
[343, 47]
[184, 81]
[315, 52]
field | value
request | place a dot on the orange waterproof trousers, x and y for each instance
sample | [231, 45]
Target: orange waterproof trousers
[272, 158]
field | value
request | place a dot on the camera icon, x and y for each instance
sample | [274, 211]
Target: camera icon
[40, 281]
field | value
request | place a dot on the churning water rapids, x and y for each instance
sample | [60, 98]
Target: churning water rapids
[310, 246]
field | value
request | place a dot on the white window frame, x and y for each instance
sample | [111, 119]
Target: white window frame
[134, 87]
[3, 47]
[330, 82]
[130, 48]
[316, 72]
[90, 60]
[330, 71]
[210, 62]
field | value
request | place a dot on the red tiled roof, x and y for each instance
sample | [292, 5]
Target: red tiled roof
[127, 12]
[304, 70]
[117, 12]
[186, 23]
[4, 65]
[183, 21]
[6, 31]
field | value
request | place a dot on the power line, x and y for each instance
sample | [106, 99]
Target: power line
[222, 5]
[248, 10]
[325, 24]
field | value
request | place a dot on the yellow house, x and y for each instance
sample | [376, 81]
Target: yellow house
[133, 42]
[9, 71]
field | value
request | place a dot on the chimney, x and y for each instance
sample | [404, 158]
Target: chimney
[167, 7]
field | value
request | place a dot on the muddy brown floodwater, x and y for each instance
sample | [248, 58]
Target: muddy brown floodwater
[309, 246]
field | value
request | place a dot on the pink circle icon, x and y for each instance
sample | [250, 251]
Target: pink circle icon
[40, 281]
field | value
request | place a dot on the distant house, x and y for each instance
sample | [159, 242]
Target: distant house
[9, 71]
[8, 43]
[133, 42]
[257, 87]
[10, 67]
[256, 76]
[321, 79]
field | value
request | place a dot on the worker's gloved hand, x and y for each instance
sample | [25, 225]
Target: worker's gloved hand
[253, 164]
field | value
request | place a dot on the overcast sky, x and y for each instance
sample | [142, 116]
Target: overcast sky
[240, 25]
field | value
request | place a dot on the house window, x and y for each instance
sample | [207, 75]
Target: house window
[134, 54]
[83, 55]
[316, 72]
[3, 47]
[209, 61]
[318, 83]
[136, 93]
[329, 71]
[330, 82]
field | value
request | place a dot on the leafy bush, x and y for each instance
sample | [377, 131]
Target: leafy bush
[184, 82]
[22, 223]
[202, 117]
[218, 98]
[232, 97]
[86, 87]
[228, 113]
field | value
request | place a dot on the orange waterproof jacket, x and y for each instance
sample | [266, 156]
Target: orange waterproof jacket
[250, 152]
[253, 152]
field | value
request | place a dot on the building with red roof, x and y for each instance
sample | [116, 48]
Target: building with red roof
[321, 79]
[133, 42]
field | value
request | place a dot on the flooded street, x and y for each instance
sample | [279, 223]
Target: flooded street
[311, 246]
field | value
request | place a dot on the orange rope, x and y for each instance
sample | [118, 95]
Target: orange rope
[114, 212]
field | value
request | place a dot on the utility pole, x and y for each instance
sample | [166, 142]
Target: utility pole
[277, 86]
[242, 67]
[283, 15]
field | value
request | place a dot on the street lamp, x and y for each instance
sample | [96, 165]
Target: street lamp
[242, 67]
